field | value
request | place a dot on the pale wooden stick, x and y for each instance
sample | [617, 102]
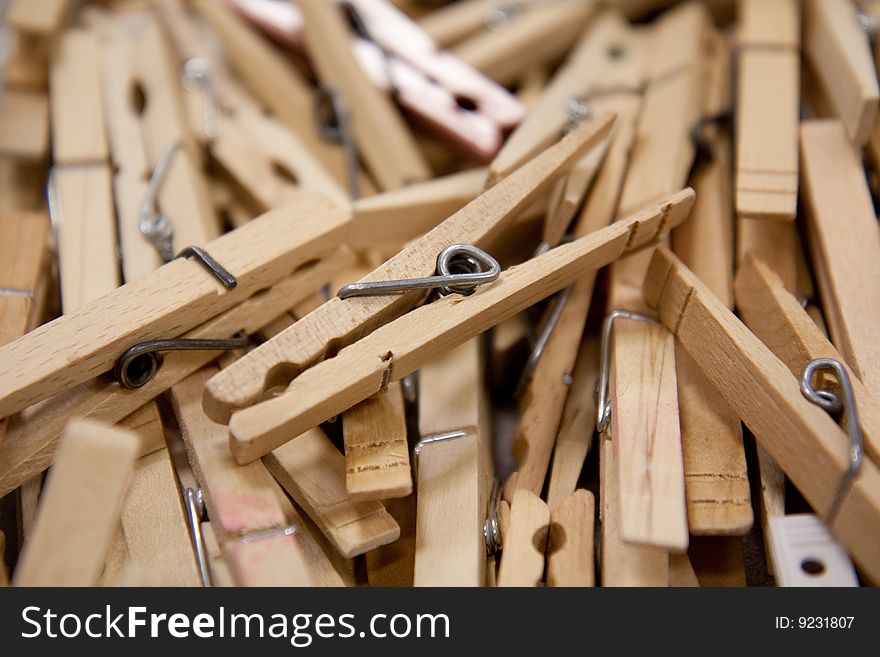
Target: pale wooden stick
[570, 546]
[522, 560]
[846, 255]
[80, 509]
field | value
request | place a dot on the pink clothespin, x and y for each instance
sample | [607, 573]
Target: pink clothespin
[447, 95]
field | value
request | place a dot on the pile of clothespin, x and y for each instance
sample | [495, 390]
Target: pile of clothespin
[424, 293]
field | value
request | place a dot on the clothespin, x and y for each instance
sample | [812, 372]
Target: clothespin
[543, 385]
[30, 445]
[398, 58]
[522, 561]
[80, 191]
[80, 508]
[453, 22]
[453, 470]
[846, 259]
[819, 458]
[279, 87]
[226, 272]
[312, 471]
[258, 530]
[243, 382]
[716, 478]
[514, 41]
[154, 534]
[646, 435]
[24, 125]
[403, 345]
[839, 54]
[43, 17]
[768, 106]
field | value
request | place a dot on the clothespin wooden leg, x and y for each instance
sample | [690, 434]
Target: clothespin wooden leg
[570, 543]
[80, 507]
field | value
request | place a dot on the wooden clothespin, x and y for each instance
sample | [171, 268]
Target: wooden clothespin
[80, 508]
[570, 542]
[815, 454]
[254, 257]
[846, 254]
[258, 529]
[312, 471]
[24, 263]
[24, 125]
[243, 382]
[42, 17]
[839, 54]
[647, 435]
[453, 468]
[544, 386]
[30, 445]
[401, 215]
[403, 345]
[768, 106]
[453, 22]
[279, 86]
[716, 478]
[154, 535]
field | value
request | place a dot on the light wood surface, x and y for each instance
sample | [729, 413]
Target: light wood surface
[522, 560]
[80, 508]
[312, 471]
[570, 546]
[845, 243]
[763, 392]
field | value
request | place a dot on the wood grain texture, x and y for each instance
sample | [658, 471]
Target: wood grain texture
[623, 564]
[759, 388]
[277, 84]
[776, 243]
[845, 243]
[174, 299]
[646, 438]
[777, 317]
[376, 452]
[454, 477]
[570, 546]
[716, 478]
[80, 507]
[522, 561]
[768, 107]
[340, 322]
[86, 228]
[393, 351]
[33, 435]
[383, 138]
[75, 102]
[43, 17]
[840, 57]
[312, 471]
[239, 500]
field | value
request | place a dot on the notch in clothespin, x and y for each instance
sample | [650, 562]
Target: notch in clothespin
[451, 97]
[404, 344]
